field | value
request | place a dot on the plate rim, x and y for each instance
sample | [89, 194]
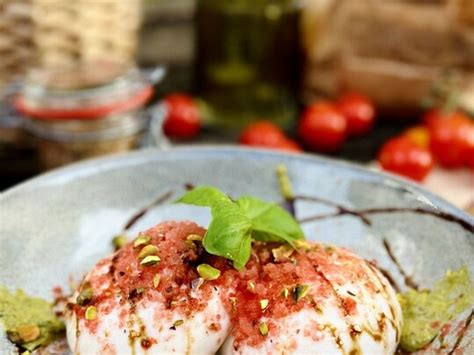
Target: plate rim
[105, 163]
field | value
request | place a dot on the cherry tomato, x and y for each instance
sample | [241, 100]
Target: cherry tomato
[402, 156]
[262, 133]
[288, 145]
[359, 111]
[419, 135]
[322, 128]
[433, 115]
[182, 118]
[268, 135]
[451, 140]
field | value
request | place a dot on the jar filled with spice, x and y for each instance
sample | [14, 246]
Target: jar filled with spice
[84, 111]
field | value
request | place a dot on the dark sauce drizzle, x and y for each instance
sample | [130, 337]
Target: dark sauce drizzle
[407, 278]
[463, 333]
[140, 213]
[362, 213]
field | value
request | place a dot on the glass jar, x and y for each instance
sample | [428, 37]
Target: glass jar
[247, 60]
[80, 112]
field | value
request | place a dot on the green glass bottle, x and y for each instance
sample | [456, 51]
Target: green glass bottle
[247, 56]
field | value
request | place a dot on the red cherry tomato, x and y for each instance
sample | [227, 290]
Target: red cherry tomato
[262, 133]
[182, 118]
[402, 156]
[288, 145]
[322, 128]
[451, 140]
[359, 111]
[433, 115]
[268, 135]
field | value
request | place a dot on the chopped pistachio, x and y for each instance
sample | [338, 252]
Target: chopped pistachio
[148, 250]
[194, 238]
[119, 241]
[263, 328]
[302, 244]
[156, 280]
[178, 323]
[300, 291]
[329, 248]
[207, 272]
[318, 308]
[285, 292]
[233, 301]
[141, 240]
[284, 182]
[85, 295]
[263, 304]
[282, 253]
[150, 260]
[140, 289]
[26, 352]
[91, 313]
[28, 333]
[250, 286]
[134, 334]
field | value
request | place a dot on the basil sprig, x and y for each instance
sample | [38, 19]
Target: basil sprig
[235, 223]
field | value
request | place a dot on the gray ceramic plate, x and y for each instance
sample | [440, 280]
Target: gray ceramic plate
[55, 227]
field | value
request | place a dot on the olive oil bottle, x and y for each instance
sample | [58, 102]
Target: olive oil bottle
[247, 56]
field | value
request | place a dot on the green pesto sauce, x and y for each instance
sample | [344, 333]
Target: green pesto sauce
[425, 312]
[19, 309]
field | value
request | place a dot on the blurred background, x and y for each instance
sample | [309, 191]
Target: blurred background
[385, 83]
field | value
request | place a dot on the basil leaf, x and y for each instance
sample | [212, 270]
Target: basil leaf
[204, 196]
[270, 222]
[229, 235]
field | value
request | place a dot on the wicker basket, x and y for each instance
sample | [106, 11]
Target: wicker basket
[45, 33]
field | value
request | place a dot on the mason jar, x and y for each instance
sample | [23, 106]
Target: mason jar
[84, 111]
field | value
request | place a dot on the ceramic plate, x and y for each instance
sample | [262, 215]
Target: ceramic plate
[55, 227]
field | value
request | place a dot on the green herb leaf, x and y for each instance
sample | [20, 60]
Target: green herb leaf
[204, 196]
[228, 234]
[270, 222]
[234, 224]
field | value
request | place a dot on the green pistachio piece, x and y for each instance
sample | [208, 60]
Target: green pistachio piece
[250, 286]
[141, 240]
[178, 323]
[91, 313]
[25, 333]
[148, 250]
[285, 292]
[284, 181]
[263, 328]
[119, 241]
[207, 272]
[300, 291]
[156, 280]
[282, 253]
[150, 260]
[263, 304]
[194, 238]
[84, 296]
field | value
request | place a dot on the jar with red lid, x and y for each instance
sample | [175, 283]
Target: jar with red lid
[79, 112]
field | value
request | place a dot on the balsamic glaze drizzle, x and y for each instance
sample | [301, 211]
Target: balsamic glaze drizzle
[407, 278]
[139, 214]
[463, 333]
[362, 213]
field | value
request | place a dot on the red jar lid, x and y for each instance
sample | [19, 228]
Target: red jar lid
[131, 102]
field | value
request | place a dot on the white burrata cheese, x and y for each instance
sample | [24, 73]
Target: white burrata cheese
[360, 316]
[202, 332]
